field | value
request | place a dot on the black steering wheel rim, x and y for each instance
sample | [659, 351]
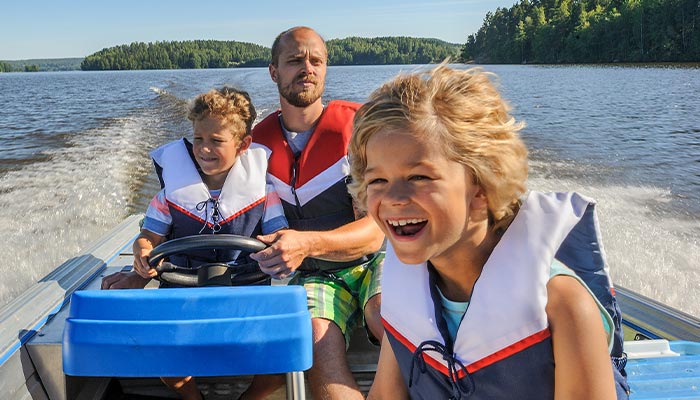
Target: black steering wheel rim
[203, 242]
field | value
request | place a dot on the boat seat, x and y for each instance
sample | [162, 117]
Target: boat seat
[212, 331]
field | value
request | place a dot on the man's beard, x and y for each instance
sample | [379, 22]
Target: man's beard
[301, 99]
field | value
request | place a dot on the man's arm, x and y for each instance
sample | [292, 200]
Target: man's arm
[288, 248]
[346, 243]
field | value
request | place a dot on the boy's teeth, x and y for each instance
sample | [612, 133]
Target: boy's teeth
[404, 222]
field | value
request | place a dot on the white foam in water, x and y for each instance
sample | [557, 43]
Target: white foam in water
[53, 210]
[652, 255]
[158, 90]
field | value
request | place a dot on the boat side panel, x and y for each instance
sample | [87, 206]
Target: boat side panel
[655, 320]
[19, 379]
[32, 325]
[45, 347]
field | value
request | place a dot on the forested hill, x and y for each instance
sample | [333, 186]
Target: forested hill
[226, 54]
[50, 64]
[390, 50]
[175, 55]
[569, 31]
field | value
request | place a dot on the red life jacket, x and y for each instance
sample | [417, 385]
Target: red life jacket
[313, 185]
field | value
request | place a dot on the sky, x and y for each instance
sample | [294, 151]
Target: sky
[31, 29]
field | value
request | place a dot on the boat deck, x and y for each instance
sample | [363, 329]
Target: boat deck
[217, 388]
[671, 371]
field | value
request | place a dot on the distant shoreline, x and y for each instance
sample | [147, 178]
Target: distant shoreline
[73, 64]
[41, 64]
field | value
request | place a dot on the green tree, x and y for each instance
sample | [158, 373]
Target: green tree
[551, 31]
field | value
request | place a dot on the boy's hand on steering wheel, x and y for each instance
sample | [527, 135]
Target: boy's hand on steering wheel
[143, 245]
[141, 265]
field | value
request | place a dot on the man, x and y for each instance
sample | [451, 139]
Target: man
[330, 248]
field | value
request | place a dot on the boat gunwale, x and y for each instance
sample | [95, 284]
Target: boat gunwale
[19, 320]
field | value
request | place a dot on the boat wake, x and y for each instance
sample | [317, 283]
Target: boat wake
[649, 249]
[53, 208]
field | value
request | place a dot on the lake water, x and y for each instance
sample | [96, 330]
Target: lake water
[74, 159]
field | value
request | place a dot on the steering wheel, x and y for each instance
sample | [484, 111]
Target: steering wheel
[210, 274]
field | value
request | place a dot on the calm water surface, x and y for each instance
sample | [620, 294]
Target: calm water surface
[74, 159]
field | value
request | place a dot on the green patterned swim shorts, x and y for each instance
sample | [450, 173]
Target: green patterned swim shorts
[341, 296]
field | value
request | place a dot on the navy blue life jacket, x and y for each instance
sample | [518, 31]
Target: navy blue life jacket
[238, 209]
[503, 347]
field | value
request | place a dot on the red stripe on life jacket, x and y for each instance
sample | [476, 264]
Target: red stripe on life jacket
[209, 224]
[244, 210]
[437, 365]
[477, 365]
[508, 351]
[184, 211]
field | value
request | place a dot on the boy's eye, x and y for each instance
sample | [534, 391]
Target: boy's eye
[418, 178]
[375, 181]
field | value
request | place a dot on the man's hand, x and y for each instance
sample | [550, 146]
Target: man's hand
[288, 248]
[124, 280]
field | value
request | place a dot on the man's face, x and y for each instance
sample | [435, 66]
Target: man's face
[300, 72]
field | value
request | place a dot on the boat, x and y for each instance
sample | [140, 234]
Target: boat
[43, 329]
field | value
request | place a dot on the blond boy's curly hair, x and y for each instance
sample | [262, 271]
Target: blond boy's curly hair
[231, 105]
[464, 114]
